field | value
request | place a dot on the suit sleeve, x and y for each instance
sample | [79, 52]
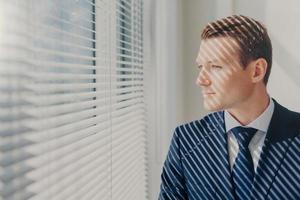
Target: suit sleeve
[172, 178]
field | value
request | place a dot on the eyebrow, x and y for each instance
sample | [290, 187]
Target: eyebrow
[210, 61]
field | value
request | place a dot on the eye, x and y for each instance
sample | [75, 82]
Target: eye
[216, 67]
[200, 67]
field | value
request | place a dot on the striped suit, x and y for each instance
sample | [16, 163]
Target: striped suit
[197, 165]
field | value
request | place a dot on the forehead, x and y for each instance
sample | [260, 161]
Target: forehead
[219, 49]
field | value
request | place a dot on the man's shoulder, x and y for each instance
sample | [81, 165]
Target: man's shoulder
[292, 117]
[295, 120]
[285, 124]
[295, 114]
[202, 126]
[286, 110]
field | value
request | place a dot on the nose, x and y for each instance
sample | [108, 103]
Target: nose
[203, 78]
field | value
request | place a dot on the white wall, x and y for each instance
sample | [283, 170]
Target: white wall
[164, 95]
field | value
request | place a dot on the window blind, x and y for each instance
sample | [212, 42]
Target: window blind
[72, 113]
[128, 113]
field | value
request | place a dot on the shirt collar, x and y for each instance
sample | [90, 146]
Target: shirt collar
[260, 123]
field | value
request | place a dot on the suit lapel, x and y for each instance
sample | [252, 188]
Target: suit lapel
[223, 189]
[273, 152]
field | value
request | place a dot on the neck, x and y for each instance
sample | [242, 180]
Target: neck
[248, 110]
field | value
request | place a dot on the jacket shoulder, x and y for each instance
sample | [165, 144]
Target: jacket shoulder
[201, 127]
[284, 124]
[295, 120]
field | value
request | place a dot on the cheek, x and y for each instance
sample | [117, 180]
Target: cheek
[241, 88]
[244, 83]
[223, 82]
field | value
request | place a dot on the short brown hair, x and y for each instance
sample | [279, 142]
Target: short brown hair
[251, 35]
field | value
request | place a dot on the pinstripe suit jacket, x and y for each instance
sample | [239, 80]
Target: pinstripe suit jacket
[197, 164]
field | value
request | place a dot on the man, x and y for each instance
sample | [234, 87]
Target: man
[249, 147]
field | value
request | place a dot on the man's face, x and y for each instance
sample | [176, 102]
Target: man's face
[224, 83]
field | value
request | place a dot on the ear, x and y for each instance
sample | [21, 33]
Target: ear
[259, 69]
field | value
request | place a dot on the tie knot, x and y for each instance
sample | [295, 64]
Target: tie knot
[243, 135]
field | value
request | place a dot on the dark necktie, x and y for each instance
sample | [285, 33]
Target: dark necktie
[243, 170]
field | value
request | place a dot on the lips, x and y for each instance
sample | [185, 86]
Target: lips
[207, 94]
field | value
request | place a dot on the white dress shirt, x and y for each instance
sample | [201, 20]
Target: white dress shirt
[261, 123]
